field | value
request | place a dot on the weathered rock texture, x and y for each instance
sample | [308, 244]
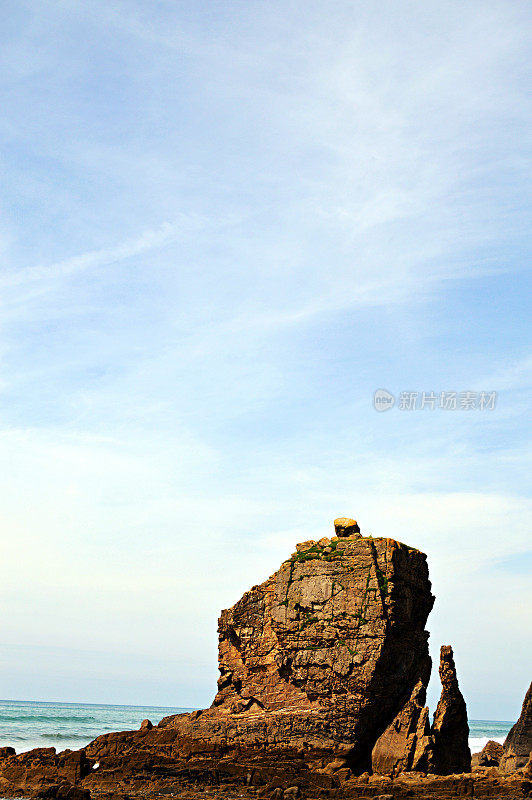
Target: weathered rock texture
[450, 729]
[518, 743]
[40, 767]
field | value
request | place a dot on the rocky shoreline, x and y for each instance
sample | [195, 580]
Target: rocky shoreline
[323, 676]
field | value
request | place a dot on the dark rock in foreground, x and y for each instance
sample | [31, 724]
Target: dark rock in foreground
[62, 791]
[518, 743]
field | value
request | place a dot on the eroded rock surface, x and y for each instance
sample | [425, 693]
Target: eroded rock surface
[518, 743]
[30, 771]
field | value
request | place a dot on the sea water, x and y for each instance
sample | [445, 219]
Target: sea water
[482, 730]
[25, 725]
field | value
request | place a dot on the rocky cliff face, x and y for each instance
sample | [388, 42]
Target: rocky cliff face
[518, 743]
[319, 658]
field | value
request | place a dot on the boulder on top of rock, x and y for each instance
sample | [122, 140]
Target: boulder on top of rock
[450, 729]
[518, 743]
[345, 526]
[146, 725]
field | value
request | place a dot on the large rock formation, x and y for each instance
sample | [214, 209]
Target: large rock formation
[518, 743]
[450, 730]
[319, 659]
[326, 651]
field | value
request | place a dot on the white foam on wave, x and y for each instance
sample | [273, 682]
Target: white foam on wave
[477, 743]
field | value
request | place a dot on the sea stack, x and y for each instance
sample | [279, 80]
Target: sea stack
[450, 729]
[323, 653]
[410, 743]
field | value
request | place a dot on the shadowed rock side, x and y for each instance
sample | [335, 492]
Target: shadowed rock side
[406, 744]
[409, 743]
[450, 729]
[518, 743]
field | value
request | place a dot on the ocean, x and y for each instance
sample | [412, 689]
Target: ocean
[25, 725]
[482, 730]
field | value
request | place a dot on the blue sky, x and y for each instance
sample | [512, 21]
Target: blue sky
[223, 226]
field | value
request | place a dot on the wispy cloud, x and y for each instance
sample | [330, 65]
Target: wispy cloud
[161, 236]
